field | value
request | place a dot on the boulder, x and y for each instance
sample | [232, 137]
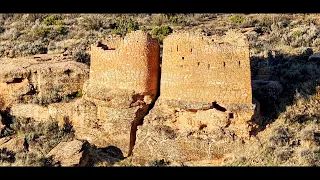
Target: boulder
[15, 144]
[72, 153]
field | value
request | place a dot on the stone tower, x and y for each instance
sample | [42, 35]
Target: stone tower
[197, 69]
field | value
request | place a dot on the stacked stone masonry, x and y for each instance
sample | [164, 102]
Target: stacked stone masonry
[132, 63]
[196, 69]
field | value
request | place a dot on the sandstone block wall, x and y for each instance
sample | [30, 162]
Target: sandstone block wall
[194, 68]
[131, 63]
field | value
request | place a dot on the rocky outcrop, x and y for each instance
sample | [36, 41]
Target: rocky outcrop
[181, 135]
[110, 117]
[32, 81]
[101, 122]
[15, 144]
[71, 153]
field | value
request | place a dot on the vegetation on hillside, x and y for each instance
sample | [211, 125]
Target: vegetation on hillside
[290, 133]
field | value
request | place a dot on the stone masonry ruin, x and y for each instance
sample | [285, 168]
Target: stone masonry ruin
[199, 73]
[131, 63]
[205, 90]
[123, 82]
[203, 94]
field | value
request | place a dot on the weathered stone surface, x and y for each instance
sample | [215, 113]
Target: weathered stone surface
[131, 63]
[180, 135]
[62, 111]
[15, 144]
[105, 126]
[71, 153]
[2, 126]
[123, 82]
[31, 81]
[32, 111]
[196, 69]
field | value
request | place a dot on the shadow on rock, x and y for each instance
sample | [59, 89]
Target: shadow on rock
[107, 156]
[279, 80]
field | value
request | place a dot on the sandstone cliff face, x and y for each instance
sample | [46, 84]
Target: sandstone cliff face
[180, 135]
[31, 80]
[107, 118]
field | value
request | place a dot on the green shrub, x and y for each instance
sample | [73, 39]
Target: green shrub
[53, 19]
[297, 33]
[81, 56]
[159, 19]
[30, 48]
[42, 31]
[160, 32]
[125, 25]
[61, 30]
[79, 93]
[237, 19]
[177, 19]
[94, 22]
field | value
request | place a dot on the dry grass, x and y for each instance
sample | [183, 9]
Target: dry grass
[282, 41]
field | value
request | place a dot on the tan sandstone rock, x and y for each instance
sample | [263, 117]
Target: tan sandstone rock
[70, 153]
[27, 80]
[181, 135]
[123, 82]
[104, 125]
[15, 144]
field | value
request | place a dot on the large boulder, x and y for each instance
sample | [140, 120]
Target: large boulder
[73, 153]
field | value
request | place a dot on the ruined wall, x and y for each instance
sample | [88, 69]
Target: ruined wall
[132, 63]
[196, 69]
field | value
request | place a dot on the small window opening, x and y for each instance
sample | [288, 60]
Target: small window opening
[177, 47]
[224, 64]
[208, 66]
[191, 50]
[202, 126]
[182, 57]
[198, 63]
[231, 115]
[239, 63]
